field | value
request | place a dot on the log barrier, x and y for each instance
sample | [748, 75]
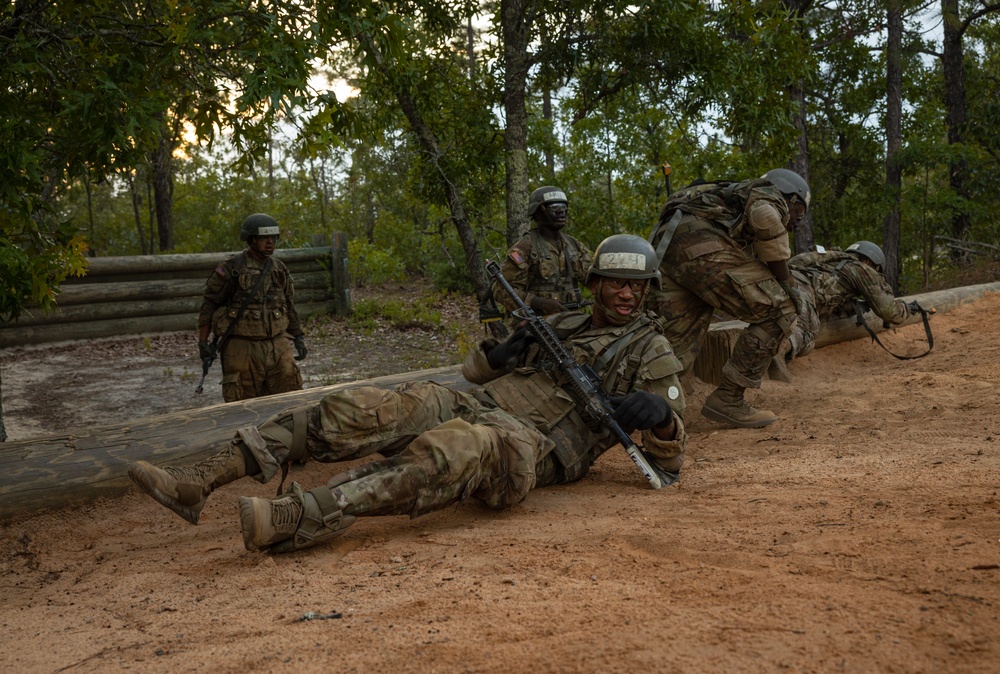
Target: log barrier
[62, 469]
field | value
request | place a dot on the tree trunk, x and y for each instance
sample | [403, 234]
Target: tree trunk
[516, 23]
[894, 135]
[954, 95]
[804, 235]
[429, 144]
[550, 159]
[136, 201]
[163, 190]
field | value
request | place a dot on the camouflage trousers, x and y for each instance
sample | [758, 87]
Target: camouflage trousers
[704, 270]
[439, 447]
[803, 337]
[252, 368]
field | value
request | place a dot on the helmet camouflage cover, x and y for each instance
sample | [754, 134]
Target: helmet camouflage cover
[258, 224]
[625, 256]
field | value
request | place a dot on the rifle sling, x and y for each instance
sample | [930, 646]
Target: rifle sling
[266, 271]
[859, 312]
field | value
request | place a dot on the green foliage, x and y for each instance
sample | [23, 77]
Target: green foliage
[370, 265]
[401, 315]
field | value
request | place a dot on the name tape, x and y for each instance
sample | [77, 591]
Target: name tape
[621, 261]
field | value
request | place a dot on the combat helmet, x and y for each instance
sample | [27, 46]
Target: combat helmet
[258, 224]
[868, 250]
[625, 256]
[790, 183]
[545, 195]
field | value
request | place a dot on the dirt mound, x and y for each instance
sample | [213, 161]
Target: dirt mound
[857, 534]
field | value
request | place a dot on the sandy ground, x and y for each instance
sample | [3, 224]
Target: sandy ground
[860, 533]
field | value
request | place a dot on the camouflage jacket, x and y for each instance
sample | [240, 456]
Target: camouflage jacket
[738, 210]
[536, 268]
[268, 315]
[838, 279]
[633, 357]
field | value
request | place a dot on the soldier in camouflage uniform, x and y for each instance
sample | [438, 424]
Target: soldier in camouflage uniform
[547, 265]
[724, 246]
[257, 353]
[521, 430]
[830, 282]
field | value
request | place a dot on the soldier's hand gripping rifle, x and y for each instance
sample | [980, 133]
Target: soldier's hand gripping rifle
[584, 383]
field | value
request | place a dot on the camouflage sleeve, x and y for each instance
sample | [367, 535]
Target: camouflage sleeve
[767, 214]
[217, 291]
[586, 257]
[659, 374]
[476, 367]
[515, 270]
[872, 286]
[294, 325]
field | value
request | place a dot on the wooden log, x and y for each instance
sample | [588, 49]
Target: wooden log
[57, 470]
[18, 335]
[143, 264]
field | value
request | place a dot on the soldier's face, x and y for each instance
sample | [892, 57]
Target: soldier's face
[796, 211]
[554, 215]
[619, 299]
[263, 245]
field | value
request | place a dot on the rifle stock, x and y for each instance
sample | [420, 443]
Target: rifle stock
[584, 383]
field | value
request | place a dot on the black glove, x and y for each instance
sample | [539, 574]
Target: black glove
[300, 347]
[545, 306]
[914, 307]
[640, 410]
[506, 353]
[204, 350]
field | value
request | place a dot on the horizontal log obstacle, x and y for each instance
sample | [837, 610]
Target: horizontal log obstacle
[162, 293]
[61, 469]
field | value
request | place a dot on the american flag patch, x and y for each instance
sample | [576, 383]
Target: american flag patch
[221, 271]
[516, 257]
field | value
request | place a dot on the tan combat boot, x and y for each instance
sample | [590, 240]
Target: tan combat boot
[291, 522]
[778, 369]
[727, 405]
[184, 489]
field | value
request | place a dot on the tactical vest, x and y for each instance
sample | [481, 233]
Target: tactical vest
[266, 315]
[547, 277]
[722, 204]
[538, 391]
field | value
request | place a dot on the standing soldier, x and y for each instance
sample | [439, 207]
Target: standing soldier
[249, 307]
[524, 428]
[546, 267]
[831, 282]
[725, 246]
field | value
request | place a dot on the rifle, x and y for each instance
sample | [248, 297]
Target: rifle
[206, 363]
[584, 383]
[861, 307]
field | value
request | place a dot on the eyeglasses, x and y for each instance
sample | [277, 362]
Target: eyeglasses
[636, 286]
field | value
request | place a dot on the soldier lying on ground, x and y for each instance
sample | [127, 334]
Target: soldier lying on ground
[830, 282]
[439, 446]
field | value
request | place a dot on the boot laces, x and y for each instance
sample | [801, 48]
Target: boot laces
[285, 513]
[201, 470]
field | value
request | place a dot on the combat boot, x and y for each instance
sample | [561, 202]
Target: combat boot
[184, 489]
[727, 405]
[778, 369]
[291, 522]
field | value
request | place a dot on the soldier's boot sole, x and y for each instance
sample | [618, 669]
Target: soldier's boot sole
[743, 416]
[153, 481]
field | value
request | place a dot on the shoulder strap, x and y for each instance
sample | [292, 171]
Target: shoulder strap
[859, 310]
[246, 302]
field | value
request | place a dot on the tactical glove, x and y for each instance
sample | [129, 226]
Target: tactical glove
[641, 411]
[204, 350]
[545, 306]
[506, 354]
[300, 347]
[914, 307]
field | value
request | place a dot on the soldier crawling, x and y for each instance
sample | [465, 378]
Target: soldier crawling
[830, 282]
[249, 306]
[520, 431]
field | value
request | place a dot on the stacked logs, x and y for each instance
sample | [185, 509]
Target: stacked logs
[162, 293]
